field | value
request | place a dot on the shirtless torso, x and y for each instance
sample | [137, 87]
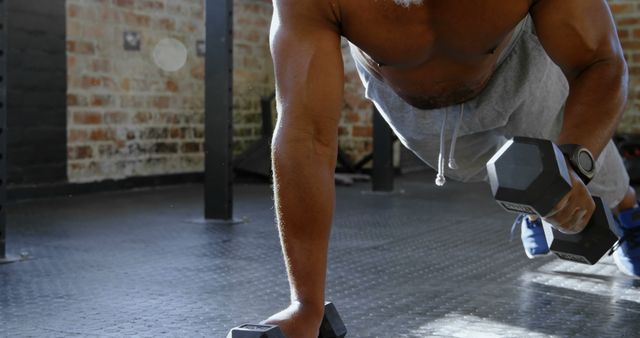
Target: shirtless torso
[438, 54]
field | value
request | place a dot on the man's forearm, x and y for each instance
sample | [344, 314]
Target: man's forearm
[595, 104]
[304, 197]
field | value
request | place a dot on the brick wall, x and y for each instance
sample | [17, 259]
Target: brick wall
[36, 121]
[627, 15]
[126, 115]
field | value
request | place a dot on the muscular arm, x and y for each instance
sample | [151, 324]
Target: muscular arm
[580, 36]
[305, 44]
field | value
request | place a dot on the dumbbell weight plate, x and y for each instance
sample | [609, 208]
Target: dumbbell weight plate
[592, 243]
[332, 325]
[533, 176]
[256, 331]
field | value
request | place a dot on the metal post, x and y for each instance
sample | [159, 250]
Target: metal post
[382, 173]
[265, 109]
[4, 257]
[218, 143]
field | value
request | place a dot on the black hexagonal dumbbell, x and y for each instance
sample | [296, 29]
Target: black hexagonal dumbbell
[331, 327]
[531, 176]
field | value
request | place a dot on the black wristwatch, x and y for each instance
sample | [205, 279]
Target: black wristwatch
[581, 161]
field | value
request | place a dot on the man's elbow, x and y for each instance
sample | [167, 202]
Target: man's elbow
[610, 71]
[618, 67]
[308, 144]
[618, 74]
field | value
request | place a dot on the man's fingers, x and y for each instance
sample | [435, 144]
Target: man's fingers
[575, 224]
[564, 216]
[560, 206]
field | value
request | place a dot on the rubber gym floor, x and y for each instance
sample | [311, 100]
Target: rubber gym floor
[426, 262]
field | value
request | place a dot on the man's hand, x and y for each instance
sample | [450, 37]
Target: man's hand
[572, 214]
[298, 320]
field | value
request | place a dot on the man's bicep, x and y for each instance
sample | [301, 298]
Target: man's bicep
[576, 33]
[309, 77]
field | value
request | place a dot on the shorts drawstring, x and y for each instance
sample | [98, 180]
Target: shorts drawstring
[440, 179]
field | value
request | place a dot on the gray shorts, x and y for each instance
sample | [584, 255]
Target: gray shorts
[524, 97]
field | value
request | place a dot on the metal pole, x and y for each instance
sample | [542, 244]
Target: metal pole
[4, 51]
[382, 173]
[218, 143]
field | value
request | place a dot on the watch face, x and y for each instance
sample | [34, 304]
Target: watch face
[586, 161]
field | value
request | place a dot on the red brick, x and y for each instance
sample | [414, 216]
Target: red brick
[154, 133]
[167, 118]
[190, 147]
[142, 117]
[160, 102]
[359, 131]
[80, 47]
[166, 24]
[150, 5]
[352, 117]
[171, 86]
[87, 118]
[124, 3]
[165, 148]
[89, 81]
[101, 134]
[198, 72]
[71, 62]
[618, 8]
[628, 45]
[80, 152]
[621, 22]
[197, 12]
[72, 100]
[106, 150]
[198, 132]
[125, 84]
[132, 101]
[136, 20]
[176, 133]
[116, 117]
[77, 135]
[110, 15]
[73, 10]
[623, 34]
[94, 32]
[101, 66]
[100, 100]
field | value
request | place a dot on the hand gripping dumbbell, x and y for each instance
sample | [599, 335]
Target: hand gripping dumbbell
[531, 176]
[331, 327]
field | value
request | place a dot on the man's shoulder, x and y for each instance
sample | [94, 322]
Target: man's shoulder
[325, 10]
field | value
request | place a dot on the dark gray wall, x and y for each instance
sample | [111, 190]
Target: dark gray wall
[37, 86]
